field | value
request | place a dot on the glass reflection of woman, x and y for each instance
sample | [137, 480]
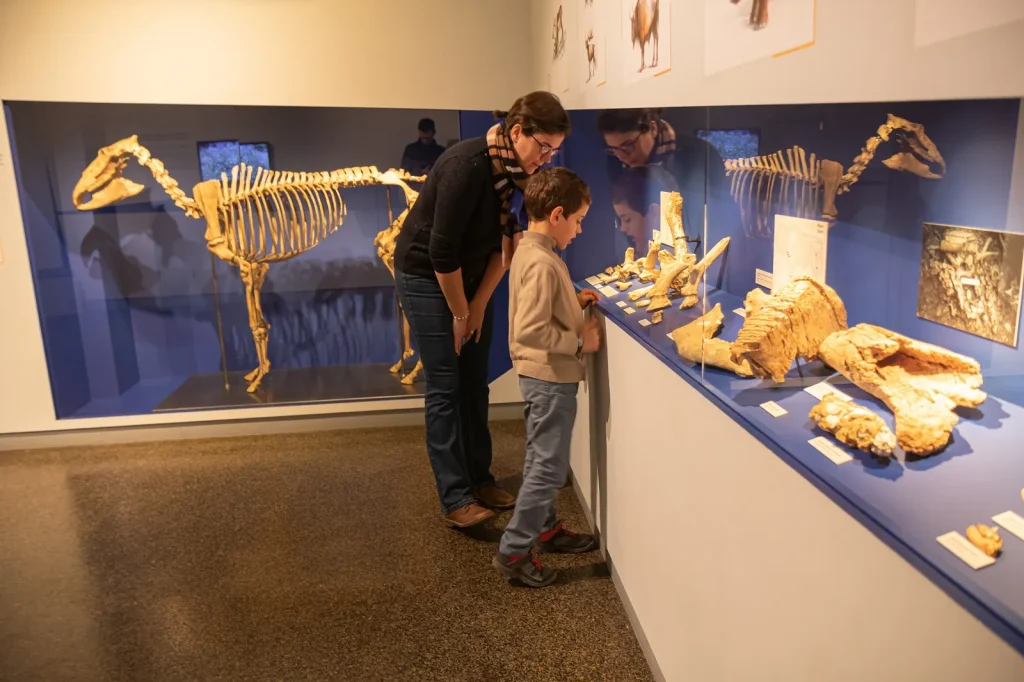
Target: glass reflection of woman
[449, 258]
[637, 137]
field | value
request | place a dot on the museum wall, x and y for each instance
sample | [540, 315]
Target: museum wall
[869, 50]
[387, 53]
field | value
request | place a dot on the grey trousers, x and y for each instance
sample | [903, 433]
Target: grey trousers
[550, 415]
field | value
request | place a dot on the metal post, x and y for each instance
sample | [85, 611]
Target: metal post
[220, 325]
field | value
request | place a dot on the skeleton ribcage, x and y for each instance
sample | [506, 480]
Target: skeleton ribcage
[783, 182]
[272, 216]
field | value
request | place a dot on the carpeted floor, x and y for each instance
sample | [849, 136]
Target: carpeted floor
[297, 557]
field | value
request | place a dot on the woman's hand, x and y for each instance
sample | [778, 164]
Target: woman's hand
[475, 324]
[587, 297]
[591, 336]
[459, 331]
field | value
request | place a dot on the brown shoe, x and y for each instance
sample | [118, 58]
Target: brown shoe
[469, 515]
[490, 495]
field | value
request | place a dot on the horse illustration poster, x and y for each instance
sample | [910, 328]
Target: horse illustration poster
[591, 48]
[559, 74]
[740, 31]
[647, 38]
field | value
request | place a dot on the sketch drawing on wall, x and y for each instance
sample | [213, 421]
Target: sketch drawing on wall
[558, 34]
[591, 27]
[971, 280]
[253, 218]
[647, 37]
[739, 31]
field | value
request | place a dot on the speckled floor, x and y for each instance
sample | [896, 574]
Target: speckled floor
[296, 557]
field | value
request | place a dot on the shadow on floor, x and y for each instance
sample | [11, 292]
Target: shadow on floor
[302, 557]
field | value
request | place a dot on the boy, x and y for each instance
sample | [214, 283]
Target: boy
[547, 339]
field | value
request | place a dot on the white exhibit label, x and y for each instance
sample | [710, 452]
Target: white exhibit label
[621, 304]
[741, 312]
[645, 323]
[1012, 522]
[594, 281]
[830, 450]
[630, 311]
[763, 279]
[970, 281]
[964, 550]
[609, 291]
[822, 389]
[801, 248]
[773, 408]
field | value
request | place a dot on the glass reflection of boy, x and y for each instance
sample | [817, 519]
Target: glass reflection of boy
[636, 198]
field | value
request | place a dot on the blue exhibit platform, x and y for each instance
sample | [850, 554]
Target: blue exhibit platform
[905, 501]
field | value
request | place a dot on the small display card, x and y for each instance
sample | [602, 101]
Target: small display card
[763, 278]
[964, 550]
[630, 311]
[970, 281]
[773, 408]
[621, 304]
[645, 323]
[822, 389]
[594, 281]
[741, 312]
[830, 450]
[609, 291]
[1011, 521]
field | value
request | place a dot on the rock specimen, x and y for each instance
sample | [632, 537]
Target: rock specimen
[921, 383]
[854, 425]
[789, 324]
[695, 342]
[985, 538]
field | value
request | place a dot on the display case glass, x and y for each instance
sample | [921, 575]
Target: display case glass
[137, 315]
[881, 357]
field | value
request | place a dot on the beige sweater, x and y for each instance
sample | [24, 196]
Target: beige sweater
[544, 316]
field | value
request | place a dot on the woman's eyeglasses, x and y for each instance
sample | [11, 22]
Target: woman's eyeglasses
[624, 148]
[545, 148]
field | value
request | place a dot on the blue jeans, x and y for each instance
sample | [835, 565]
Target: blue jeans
[458, 394]
[550, 415]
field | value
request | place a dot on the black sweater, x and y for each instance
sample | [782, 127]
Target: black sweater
[456, 221]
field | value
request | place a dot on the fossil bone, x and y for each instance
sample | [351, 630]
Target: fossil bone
[921, 383]
[985, 538]
[854, 425]
[790, 324]
[254, 218]
[695, 342]
[788, 184]
[657, 317]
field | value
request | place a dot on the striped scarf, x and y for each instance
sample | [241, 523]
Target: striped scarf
[664, 145]
[508, 176]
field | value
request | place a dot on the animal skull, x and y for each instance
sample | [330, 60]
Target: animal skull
[918, 154]
[102, 178]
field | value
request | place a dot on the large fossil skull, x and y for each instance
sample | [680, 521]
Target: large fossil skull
[102, 178]
[918, 154]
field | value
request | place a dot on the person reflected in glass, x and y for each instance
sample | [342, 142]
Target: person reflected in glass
[449, 257]
[636, 199]
[420, 156]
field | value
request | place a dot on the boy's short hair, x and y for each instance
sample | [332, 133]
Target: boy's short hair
[640, 187]
[553, 187]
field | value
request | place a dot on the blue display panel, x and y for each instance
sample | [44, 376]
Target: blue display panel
[126, 294]
[875, 250]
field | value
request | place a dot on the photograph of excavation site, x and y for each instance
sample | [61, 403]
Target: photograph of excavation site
[971, 280]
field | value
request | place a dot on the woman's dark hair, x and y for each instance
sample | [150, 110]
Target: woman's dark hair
[626, 120]
[537, 112]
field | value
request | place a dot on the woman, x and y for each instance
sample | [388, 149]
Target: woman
[448, 260]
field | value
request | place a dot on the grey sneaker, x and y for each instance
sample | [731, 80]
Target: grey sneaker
[561, 539]
[526, 569]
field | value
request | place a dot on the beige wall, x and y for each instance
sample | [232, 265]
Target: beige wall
[864, 51]
[383, 53]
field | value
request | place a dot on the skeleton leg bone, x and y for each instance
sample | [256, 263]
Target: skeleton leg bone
[253, 275]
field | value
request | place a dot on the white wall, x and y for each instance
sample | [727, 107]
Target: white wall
[737, 567]
[864, 51]
[317, 53]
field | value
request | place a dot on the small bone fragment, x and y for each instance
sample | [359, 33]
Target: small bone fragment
[622, 286]
[695, 342]
[854, 425]
[921, 383]
[637, 294]
[657, 317]
[985, 538]
[644, 303]
[790, 324]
